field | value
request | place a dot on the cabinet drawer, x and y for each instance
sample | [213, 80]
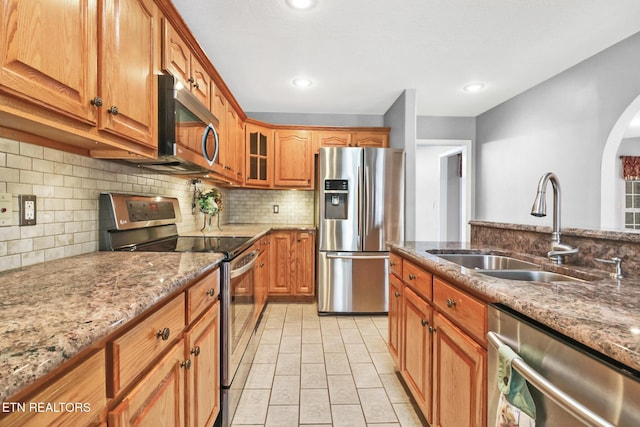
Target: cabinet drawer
[132, 352]
[82, 389]
[467, 312]
[202, 295]
[418, 279]
[395, 264]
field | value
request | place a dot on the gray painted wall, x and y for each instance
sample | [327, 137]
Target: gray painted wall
[560, 125]
[401, 118]
[430, 127]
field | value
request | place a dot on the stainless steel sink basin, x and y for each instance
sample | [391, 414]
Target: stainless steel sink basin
[489, 262]
[530, 275]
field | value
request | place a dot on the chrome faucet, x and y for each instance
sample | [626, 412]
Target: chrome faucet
[558, 250]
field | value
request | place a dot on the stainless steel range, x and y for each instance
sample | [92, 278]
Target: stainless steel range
[148, 224]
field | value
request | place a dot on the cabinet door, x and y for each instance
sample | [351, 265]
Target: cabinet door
[49, 54]
[331, 139]
[259, 155]
[84, 384]
[200, 83]
[293, 159]
[176, 57]
[281, 263]
[304, 263]
[371, 139]
[262, 278]
[159, 398]
[459, 375]
[240, 150]
[129, 92]
[204, 374]
[416, 352]
[230, 145]
[395, 318]
[219, 109]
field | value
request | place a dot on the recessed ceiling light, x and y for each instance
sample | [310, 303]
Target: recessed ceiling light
[302, 83]
[301, 4]
[473, 87]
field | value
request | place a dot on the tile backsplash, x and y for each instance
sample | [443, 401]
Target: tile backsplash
[67, 187]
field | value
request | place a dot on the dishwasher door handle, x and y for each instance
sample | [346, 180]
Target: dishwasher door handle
[551, 391]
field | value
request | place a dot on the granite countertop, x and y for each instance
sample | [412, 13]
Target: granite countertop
[50, 312]
[602, 313]
[254, 230]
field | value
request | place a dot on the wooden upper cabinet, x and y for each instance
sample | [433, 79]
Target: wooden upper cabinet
[259, 156]
[219, 109]
[178, 60]
[231, 134]
[49, 54]
[335, 138]
[371, 139]
[126, 76]
[293, 159]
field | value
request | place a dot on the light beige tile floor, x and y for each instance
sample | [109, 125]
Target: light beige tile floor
[312, 370]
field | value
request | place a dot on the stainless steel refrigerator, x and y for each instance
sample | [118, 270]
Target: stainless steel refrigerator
[361, 206]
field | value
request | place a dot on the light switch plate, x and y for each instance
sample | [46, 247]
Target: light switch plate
[6, 212]
[27, 203]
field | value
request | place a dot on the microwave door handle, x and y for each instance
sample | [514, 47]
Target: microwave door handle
[545, 387]
[210, 160]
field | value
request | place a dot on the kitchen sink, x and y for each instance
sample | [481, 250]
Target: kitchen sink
[489, 262]
[530, 275]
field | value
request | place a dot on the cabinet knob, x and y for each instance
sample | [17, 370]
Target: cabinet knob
[113, 110]
[163, 334]
[186, 364]
[412, 276]
[211, 292]
[424, 322]
[450, 303]
[392, 264]
[97, 101]
[196, 85]
[191, 80]
[432, 329]
[397, 294]
[195, 351]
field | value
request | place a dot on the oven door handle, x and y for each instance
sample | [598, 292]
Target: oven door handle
[551, 391]
[248, 266]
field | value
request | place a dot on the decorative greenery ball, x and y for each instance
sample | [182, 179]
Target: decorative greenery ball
[210, 202]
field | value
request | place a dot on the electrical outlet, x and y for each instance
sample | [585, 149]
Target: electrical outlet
[27, 203]
[6, 212]
[276, 209]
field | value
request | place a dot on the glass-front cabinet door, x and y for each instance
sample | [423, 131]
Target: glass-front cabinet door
[259, 164]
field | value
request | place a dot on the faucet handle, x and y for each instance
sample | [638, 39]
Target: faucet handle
[618, 262]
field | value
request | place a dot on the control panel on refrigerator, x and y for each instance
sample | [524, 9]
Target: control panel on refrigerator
[336, 192]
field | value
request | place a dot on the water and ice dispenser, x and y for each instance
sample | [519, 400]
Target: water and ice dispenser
[336, 197]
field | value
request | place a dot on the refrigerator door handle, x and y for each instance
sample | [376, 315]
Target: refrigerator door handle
[367, 199]
[359, 205]
[334, 256]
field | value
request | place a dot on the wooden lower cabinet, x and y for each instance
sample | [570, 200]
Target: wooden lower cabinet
[203, 375]
[395, 318]
[261, 275]
[416, 352]
[440, 358]
[158, 399]
[83, 385]
[459, 377]
[292, 256]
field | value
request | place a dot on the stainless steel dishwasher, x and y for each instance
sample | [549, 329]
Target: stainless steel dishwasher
[571, 385]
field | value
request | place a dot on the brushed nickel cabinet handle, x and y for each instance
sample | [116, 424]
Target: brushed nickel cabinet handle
[450, 303]
[397, 294]
[195, 351]
[113, 110]
[186, 364]
[211, 292]
[432, 329]
[97, 101]
[424, 322]
[163, 334]
[412, 276]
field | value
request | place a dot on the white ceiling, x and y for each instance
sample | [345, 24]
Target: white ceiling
[361, 54]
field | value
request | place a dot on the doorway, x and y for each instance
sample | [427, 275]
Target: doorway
[443, 190]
